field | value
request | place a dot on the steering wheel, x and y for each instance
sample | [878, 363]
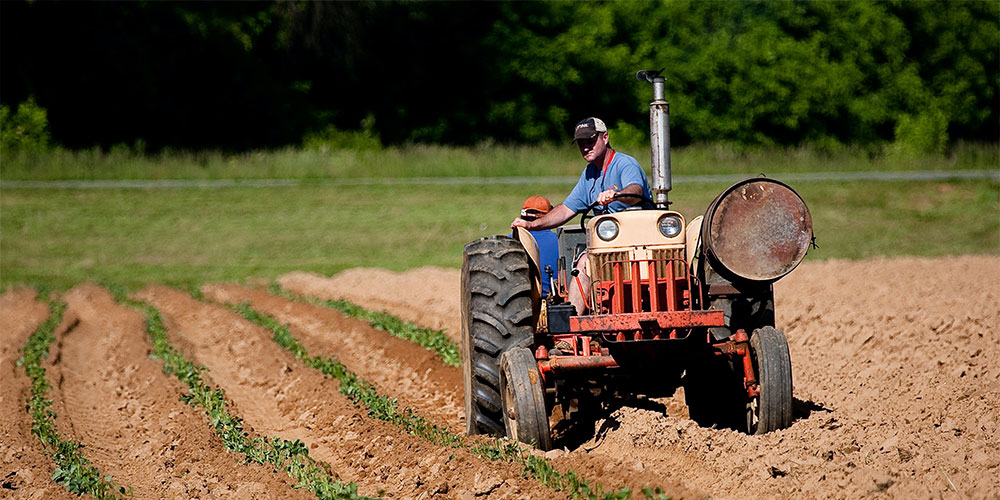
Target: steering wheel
[586, 215]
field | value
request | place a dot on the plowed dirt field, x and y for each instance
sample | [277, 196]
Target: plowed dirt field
[896, 366]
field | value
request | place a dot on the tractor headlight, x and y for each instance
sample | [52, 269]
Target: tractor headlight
[670, 225]
[607, 229]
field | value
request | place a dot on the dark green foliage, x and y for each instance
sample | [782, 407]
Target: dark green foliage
[432, 340]
[360, 74]
[73, 470]
[26, 129]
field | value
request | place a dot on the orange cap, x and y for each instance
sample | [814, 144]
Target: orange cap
[535, 207]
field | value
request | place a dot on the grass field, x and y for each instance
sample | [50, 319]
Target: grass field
[484, 161]
[194, 235]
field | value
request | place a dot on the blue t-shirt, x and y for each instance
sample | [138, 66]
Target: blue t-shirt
[622, 171]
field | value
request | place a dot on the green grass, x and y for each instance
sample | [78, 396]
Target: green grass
[186, 237]
[483, 161]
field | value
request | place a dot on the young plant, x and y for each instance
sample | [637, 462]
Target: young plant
[73, 470]
[290, 456]
[432, 340]
[363, 394]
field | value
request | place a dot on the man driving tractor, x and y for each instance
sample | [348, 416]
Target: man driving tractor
[608, 173]
[642, 301]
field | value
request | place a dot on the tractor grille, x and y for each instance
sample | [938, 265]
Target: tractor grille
[606, 272]
[662, 283]
[669, 253]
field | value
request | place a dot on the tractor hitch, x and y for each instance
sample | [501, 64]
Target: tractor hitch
[738, 346]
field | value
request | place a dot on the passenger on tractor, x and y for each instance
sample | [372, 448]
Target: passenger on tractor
[607, 174]
[548, 244]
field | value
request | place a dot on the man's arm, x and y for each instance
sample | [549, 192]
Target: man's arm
[608, 196]
[555, 218]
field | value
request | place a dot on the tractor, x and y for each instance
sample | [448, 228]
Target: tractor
[673, 303]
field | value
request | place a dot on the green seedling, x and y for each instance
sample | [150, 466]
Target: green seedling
[73, 470]
[432, 340]
[290, 456]
[364, 395]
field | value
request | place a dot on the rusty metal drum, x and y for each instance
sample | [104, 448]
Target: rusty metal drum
[758, 229]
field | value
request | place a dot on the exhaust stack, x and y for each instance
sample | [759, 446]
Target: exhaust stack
[659, 137]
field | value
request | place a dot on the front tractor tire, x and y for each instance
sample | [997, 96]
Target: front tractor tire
[525, 415]
[496, 317]
[772, 408]
[717, 397]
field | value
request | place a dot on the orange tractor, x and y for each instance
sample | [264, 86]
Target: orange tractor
[673, 303]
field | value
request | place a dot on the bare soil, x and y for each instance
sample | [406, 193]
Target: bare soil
[25, 468]
[896, 366]
[279, 396]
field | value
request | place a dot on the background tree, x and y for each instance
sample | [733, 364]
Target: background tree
[263, 74]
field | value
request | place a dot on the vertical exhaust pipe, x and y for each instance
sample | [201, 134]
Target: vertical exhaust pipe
[659, 137]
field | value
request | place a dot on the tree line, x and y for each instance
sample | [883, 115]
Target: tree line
[246, 75]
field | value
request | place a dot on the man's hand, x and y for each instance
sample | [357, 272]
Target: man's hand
[519, 222]
[606, 197]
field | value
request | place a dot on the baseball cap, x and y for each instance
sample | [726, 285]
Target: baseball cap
[588, 128]
[535, 207]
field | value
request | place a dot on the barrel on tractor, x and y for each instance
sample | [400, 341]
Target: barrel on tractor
[673, 303]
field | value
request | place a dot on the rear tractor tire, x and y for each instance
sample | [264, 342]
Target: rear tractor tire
[772, 408]
[496, 317]
[525, 415]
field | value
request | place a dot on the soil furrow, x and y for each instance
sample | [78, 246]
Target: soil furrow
[897, 386]
[398, 368]
[25, 468]
[278, 396]
[423, 295]
[127, 412]
[383, 358]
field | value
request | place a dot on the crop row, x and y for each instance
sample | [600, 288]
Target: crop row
[290, 456]
[73, 470]
[387, 409]
[79, 476]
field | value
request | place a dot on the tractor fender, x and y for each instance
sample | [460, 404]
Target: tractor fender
[692, 238]
[525, 238]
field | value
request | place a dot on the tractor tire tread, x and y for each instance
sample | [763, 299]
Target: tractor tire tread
[775, 378]
[496, 317]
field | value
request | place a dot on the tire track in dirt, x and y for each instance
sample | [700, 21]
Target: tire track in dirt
[612, 472]
[396, 368]
[25, 468]
[126, 412]
[897, 386]
[277, 395]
